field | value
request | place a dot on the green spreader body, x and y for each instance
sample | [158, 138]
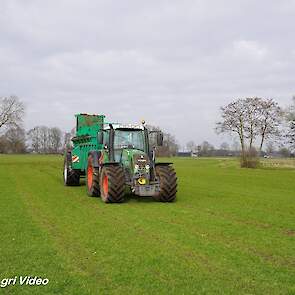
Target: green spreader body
[87, 129]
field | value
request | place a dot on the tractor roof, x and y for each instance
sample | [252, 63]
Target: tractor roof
[124, 126]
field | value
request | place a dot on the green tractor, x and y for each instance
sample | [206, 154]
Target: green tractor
[113, 157]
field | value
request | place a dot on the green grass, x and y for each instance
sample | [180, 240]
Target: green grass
[231, 231]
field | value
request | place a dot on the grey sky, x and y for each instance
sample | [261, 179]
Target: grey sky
[173, 63]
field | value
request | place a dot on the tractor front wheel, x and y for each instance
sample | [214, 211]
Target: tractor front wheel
[92, 178]
[168, 183]
[112, 184]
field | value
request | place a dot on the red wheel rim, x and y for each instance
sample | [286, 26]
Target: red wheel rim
[89, 175]
[105, 184]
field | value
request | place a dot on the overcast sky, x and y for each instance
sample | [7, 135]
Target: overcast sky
[173, 63]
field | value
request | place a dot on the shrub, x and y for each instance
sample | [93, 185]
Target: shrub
[249, 159]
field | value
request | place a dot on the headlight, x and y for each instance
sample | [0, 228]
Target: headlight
[136, 167]
[147, 167]
[141, 181]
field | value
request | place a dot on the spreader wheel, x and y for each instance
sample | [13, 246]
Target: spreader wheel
[92, 178]
[71, 177]
[112, 184]
[168, 183]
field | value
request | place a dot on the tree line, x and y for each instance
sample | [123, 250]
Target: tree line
[206, 149]
[15, 139]
[258, 125]
[40, 139]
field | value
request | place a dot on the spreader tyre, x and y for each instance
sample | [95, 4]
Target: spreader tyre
[112, 184]
[92, 178]
[71, 177]
[168, 183]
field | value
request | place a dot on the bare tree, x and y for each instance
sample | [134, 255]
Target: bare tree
[234, 118]
[206, 149]
[170, 146]
[224, 149]
[67, 140]
[290, 118]
[252, 106]
[270, 117]
[191, 146]
[11, 111]
[55, 139]
[251, 118]
[34, 137]
[16, 139]
[290, 135]
[290, 111]
[3, 145]
[44, 139]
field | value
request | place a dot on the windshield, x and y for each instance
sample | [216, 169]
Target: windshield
[132, 139]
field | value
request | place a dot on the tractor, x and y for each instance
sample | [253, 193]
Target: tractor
[113, 157]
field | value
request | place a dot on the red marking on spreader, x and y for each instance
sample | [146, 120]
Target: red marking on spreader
[75, 159]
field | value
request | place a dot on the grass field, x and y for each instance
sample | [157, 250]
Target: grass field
[231, 231]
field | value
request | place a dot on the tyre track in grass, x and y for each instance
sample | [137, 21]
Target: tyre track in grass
[26, 248]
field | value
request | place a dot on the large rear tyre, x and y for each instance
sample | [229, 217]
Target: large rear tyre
[168, 183]
[92, 179]
[71, 177]
[112, 184]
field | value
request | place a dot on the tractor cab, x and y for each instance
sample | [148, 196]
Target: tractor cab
[122, 137]
[129, 146]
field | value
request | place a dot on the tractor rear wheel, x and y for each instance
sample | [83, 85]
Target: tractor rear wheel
[168, 183]
[112, 184]
[92, 179]
[71, 177]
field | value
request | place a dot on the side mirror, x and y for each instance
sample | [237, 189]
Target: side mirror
[100, 137]
[159, 138]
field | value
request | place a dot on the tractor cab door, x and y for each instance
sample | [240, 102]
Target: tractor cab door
[106, 139]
